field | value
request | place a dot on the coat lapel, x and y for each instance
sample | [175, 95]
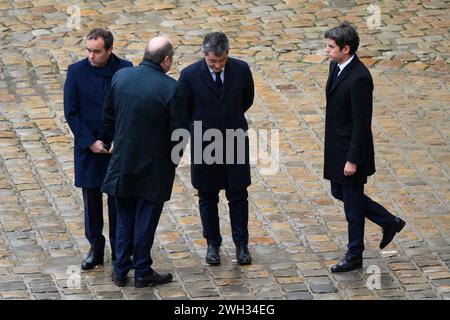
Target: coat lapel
[342, 76]
[92, 76]
[228, 78]
[206, 77]
[330, 73]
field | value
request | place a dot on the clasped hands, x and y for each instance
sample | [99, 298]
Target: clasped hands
[99, 147]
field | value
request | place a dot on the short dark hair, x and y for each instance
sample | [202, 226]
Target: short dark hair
[101, 33]
[215, 42]
[157, 56]
[344, 34]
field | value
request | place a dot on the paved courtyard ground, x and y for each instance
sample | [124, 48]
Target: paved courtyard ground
[297, 230]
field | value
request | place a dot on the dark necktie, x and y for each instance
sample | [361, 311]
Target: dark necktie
[335, 75]
[218, 81]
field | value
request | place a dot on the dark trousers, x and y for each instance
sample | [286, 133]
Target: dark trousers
[137, 220]
[209, 213]
[358, 206]
[93, 220]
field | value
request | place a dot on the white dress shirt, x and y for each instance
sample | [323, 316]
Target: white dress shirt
[342, 66]
[222, 74]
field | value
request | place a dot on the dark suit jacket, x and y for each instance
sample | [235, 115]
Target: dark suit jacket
[84, 96]
[348, 134]
[142, 110]
[221, 112]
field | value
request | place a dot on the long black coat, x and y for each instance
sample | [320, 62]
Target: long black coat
[142, 110]
[348, 134]
[85, 90]
[218, 111]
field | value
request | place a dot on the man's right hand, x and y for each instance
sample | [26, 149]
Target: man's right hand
[97, 147]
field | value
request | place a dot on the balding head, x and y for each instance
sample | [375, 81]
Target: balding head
[159, 50]
[157, 43]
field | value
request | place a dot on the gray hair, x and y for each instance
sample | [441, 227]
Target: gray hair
[215, 42]
[159, 54]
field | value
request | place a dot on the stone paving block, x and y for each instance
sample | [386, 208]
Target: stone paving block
[47, 296]
[165, 293]
[327, 296]
[201, 285]
[12, 286]
[233, 290]
[294, 287]
[200, 293]
[299, 295]
[259, 283]
[110, 295]
[19, 294]
[42, 289]
[269, 295]
[426, 294]
[390, 294]
[323, 288]
[3, 271]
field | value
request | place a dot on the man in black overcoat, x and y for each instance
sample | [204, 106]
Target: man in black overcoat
[142, 111]
[349, 151]
[219, 90]
[85, 89]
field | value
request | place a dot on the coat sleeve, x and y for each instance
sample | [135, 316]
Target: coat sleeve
[249, 90]
[361, 99]
[108, 110]
[330, 68]
[81, 132]
[184, 92]
[109, 117]
[179, 119]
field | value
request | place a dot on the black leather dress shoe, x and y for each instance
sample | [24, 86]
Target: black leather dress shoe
[153, 278]
[388, 234]
[118, 281]
[347, 264]
[212, 255]
[243, 255]
[92, 260]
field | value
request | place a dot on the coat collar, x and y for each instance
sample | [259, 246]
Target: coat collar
[94, 77]
[342, 76]
[206, 77]
[113, 63]
[152, 65]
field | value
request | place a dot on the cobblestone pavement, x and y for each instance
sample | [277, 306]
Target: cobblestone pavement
[297, 229]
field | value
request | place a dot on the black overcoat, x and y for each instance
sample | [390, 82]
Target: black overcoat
[85, 90]
[220, 110]
[142, 110]
[348, 134]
